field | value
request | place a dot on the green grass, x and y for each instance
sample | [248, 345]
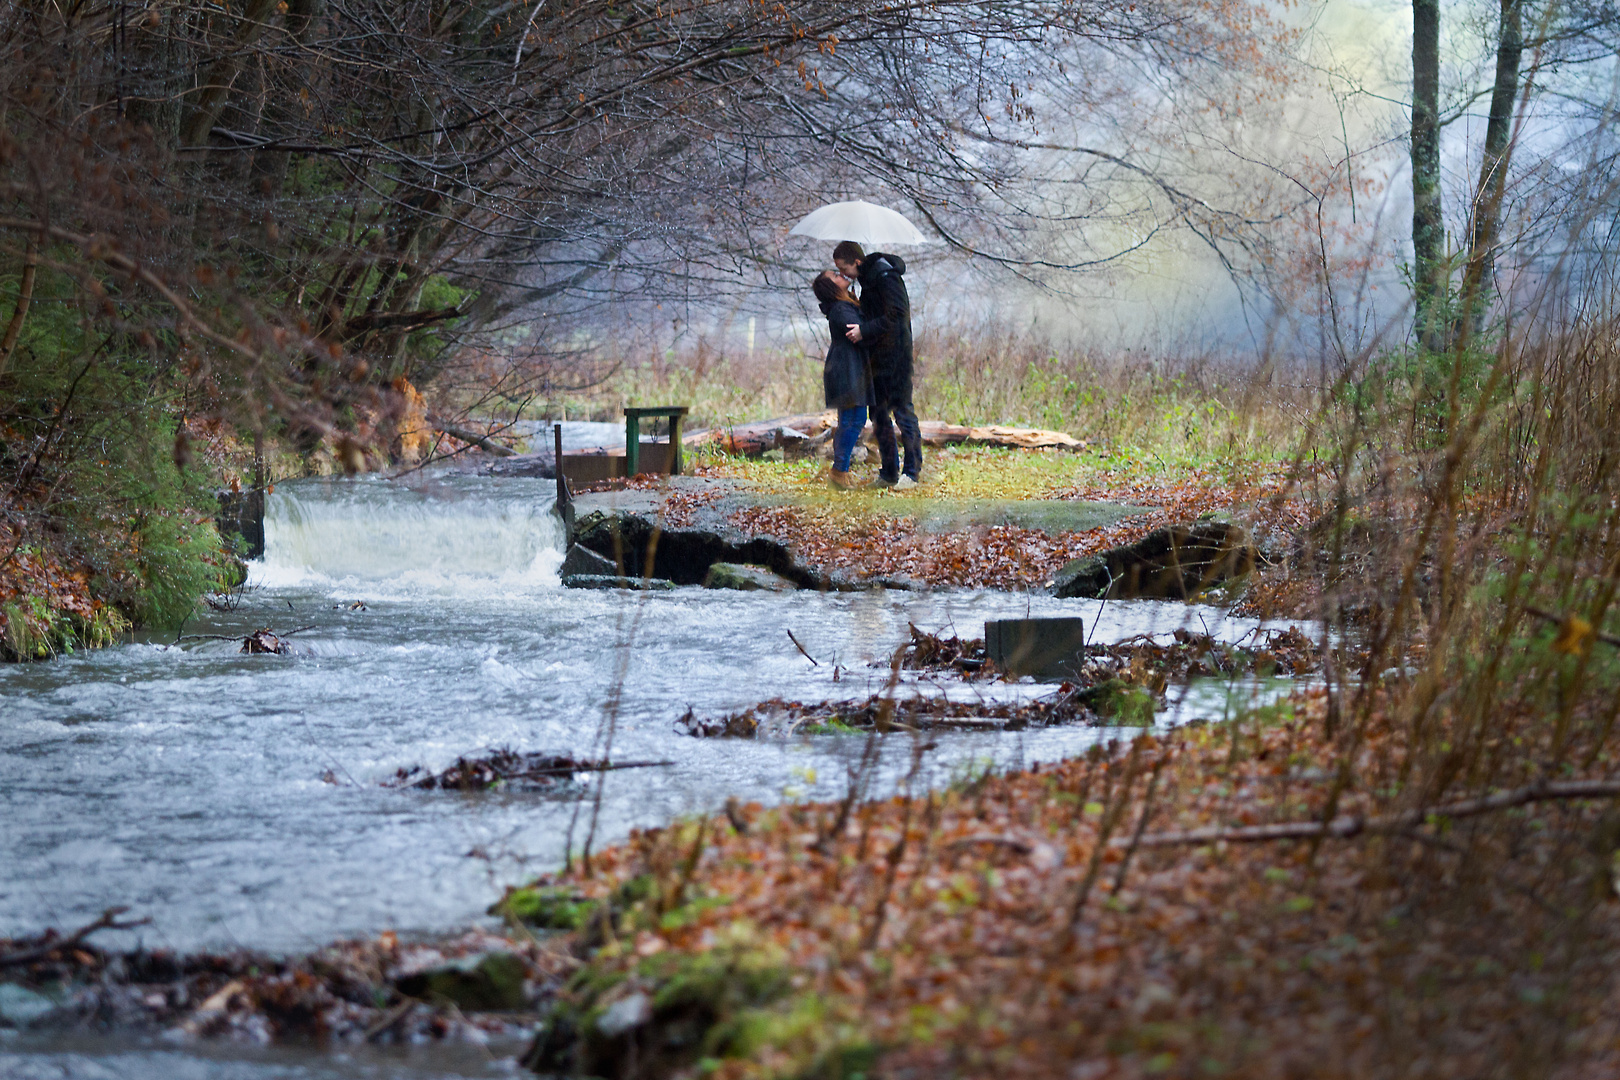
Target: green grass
[1137, 412]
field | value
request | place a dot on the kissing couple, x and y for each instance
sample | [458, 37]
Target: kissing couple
[869, 362]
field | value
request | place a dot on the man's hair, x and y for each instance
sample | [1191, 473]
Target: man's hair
[848, 251]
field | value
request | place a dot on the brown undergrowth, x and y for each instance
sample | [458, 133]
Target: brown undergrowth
[1023, 924]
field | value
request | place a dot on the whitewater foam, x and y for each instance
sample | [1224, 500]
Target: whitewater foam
[384, 540]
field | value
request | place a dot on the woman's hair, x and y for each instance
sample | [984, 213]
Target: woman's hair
[827, 290]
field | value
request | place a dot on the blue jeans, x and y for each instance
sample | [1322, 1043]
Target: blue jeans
[850, 424]
[904, 418]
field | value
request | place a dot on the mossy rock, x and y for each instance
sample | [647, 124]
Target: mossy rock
[724, 575]
[545, 908]
[673, 1011]
[1126, 705]
[487, 982]
[1175, 562]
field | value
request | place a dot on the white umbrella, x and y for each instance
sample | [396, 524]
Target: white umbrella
[868, 225]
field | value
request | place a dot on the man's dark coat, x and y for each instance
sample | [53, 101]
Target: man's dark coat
[886, 323]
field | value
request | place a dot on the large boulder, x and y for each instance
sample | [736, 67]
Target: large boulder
[1175, 562]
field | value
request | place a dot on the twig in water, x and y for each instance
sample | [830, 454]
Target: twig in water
[1102, 606]
[801, 648]
[108, 921]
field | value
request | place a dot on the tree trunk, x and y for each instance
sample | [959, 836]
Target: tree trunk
[1429, 274]
[217, 82]
[25, 296]
[1486, 214]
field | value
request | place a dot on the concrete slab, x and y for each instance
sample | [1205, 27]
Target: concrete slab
[1044, 648]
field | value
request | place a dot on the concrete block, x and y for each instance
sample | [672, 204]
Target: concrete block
[1045, 648]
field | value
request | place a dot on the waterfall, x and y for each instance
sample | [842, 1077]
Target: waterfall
[459, 535]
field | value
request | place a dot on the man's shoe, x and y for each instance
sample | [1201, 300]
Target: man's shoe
[843, 480]
[904, 483]
[886, 481]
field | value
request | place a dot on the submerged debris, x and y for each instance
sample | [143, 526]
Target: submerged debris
[878, 713]
[263, 641]
[1122, 684]
[1189, 655]
[381, 990]
[1275, 652]
[507, 767]
[933, 652]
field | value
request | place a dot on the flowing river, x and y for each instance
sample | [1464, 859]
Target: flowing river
[236, 799]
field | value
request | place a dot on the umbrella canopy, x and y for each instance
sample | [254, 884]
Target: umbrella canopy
[868, 225]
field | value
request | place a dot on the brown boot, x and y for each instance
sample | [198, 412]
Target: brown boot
[844, 481]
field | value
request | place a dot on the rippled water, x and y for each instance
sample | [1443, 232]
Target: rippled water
[185, 779]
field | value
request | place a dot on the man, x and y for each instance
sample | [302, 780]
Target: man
[885, 329]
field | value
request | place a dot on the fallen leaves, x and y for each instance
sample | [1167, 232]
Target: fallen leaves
[1018, 925]
[878, 539]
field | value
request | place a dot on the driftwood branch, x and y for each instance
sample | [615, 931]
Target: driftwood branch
[1354, 824]
[482, 441]
[108, 921]
[802, 649]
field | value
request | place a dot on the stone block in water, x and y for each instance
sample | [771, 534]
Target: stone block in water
[1044, 648]
[582, 560]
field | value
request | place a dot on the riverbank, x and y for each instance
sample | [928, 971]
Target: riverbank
[1088, 918]
[984, 518]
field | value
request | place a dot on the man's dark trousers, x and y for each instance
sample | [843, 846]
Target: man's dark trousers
[893, 396]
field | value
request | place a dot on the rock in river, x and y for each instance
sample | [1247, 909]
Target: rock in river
[485, 982]
[725, 575]
[1174, 562]
[582, 560]
[613, 581]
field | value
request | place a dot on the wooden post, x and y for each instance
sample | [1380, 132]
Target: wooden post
[564, 506]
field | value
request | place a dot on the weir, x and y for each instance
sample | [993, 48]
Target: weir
[454, 533]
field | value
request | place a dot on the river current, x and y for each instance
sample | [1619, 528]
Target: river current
[236, 799]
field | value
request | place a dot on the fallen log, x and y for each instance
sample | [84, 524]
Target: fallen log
[756, 438]
[466, 435]
[1349, 825]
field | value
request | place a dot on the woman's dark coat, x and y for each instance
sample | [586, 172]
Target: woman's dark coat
[847, 375]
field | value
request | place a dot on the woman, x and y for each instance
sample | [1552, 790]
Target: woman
[847, 375]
